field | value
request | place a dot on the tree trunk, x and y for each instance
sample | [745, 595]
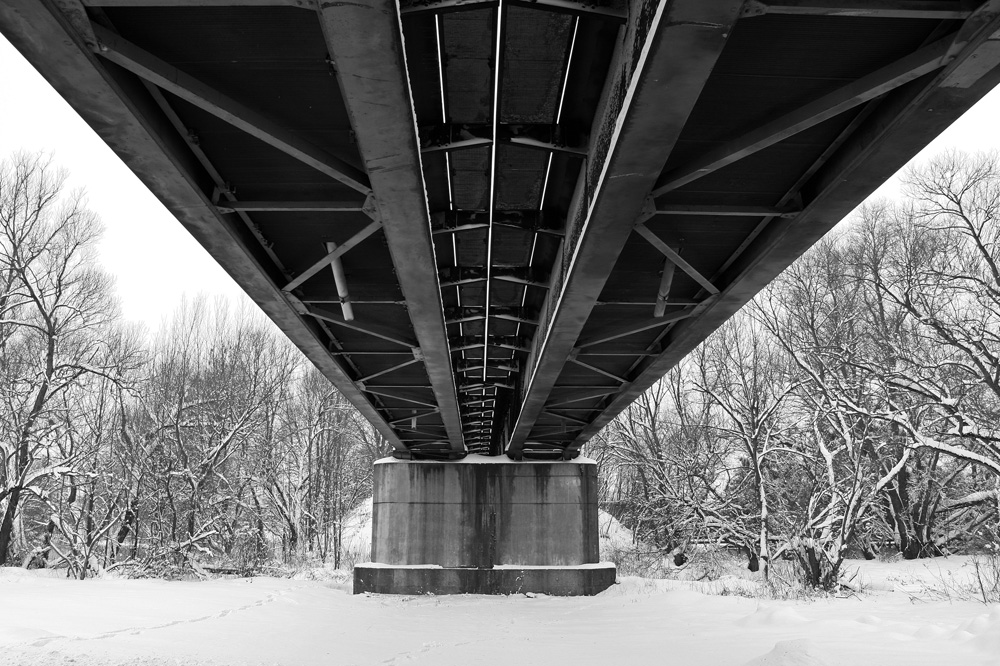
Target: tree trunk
[7, 525]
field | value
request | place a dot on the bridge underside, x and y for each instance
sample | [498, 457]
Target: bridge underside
[492, 223]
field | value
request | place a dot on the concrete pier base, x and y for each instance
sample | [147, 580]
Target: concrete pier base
[555, 581]
[484, 526]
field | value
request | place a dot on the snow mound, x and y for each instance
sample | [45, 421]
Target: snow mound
[941, 574]
[869, 619]
[18, 574]
[636, 586]
[356, 539]
[982, 631]
[800, 652]
[355, 547]
[614, 537]
[335, 579]
[772, 616]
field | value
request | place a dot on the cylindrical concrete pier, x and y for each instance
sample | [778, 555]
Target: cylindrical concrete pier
[484, 525]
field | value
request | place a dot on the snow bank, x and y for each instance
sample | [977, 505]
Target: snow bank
[355, 547]
[356, 538]
[614, 536]
[982, 632]
[914, 576]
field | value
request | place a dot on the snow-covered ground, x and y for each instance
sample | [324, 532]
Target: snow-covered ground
[907, 617]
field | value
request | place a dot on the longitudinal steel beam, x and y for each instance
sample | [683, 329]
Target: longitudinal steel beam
[949, 9]
[292, 206]
[715, 210]
[896, 131]
[566, 6]
[365, 41]
[59, 48]
[304, 4]
[675, 58]
[536, 221]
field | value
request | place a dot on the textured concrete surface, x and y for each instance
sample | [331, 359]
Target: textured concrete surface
[555, 581]
[476, 515]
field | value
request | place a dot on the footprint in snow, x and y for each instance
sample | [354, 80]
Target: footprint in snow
[800, 652]
[771, 616]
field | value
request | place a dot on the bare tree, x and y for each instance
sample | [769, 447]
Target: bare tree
[929, 503]
[745, 375]
[664, 471]
[89, 505]
[210, 405]
[323, 469]
[861, 398]
[211, 443]
[945, 274]
[816, 312]
[56, 309]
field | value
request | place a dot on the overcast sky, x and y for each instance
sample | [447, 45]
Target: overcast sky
[153, 258]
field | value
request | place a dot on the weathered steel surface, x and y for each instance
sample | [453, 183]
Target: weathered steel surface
[117, 111]
[366, 44]
[535, 208]
[898, 129]
[660, 76]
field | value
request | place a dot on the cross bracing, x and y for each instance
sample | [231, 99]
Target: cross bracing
[493, 223]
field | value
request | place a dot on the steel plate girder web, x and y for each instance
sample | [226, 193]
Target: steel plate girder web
[365, 41]
[676, 58]
[897, 131]
[54, 45]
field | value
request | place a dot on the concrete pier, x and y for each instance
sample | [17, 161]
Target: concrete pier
[484, 526]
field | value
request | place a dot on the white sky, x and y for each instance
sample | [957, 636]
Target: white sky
[152, 256]
[154, 259]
